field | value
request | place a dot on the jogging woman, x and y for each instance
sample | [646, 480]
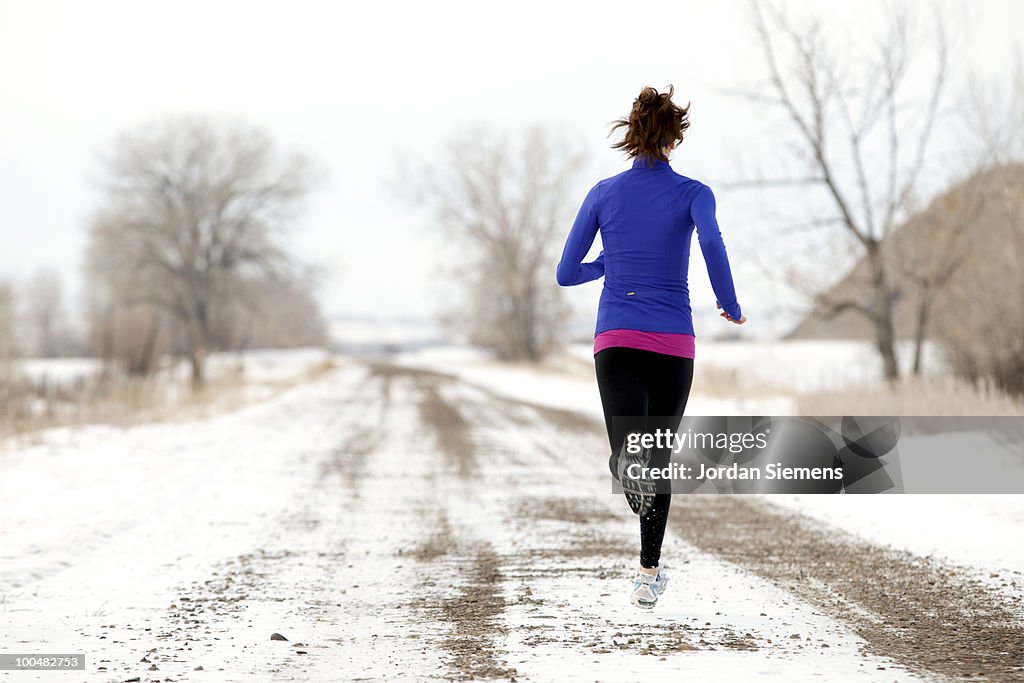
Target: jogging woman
[644, 339]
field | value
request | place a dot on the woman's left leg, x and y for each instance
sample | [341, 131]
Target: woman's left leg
[668, 382]
[621, 380]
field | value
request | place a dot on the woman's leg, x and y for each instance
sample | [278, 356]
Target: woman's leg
[638, 383]
[669, 379]
[620, 379]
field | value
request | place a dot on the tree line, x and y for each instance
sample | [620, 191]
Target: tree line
[186, 254]
[861, 120]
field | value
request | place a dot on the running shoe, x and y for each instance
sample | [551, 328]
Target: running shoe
[644, 595]
[639, 490]
[660, 581]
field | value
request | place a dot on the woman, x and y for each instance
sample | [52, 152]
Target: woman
[644, 340]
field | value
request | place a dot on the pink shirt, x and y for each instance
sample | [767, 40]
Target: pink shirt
[668, 343]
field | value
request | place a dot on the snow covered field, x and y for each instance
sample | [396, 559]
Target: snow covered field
[437, 516]
[261, 365]
[73, 390]
[58, 370]
[798, 365]
[569, 382]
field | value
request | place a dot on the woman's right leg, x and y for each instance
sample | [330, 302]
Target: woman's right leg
[632, 383]
[669, 379]
[628, 379]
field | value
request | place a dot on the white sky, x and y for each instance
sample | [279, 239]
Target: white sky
[357, 84]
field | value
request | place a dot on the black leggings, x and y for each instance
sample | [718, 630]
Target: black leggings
[638, 384]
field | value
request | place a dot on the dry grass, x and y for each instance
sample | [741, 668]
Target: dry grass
[708, 379]
[732, 383]
[912, 396]
[554, 364]
[27, 406]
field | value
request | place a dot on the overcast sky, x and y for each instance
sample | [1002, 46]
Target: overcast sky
[357, 84]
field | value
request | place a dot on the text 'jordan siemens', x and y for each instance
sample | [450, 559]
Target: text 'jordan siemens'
[732, 472]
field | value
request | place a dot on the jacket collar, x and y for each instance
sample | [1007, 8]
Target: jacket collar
[641, 162]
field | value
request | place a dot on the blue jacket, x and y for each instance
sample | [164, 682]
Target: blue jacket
[646, 217]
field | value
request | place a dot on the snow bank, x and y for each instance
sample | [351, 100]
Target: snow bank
[569, 385]
[799, 366]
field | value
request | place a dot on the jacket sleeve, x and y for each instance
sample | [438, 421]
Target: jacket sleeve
[571, 270]
[713, 247]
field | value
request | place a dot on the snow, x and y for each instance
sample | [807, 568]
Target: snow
[373, 334]
[977, 531]
[270, 365]
[261, 364]
[708, 594]
[106, 526]
[57, 370]
[799, 366]
[570, 385]
[108, 530]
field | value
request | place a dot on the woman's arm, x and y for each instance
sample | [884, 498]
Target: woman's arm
[713, 247]
[571, 270]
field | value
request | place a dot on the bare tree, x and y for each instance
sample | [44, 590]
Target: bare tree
[191, 207]
[130, 336]
[931, 249]
[981, 322]
[847, 120]
[506, 204]
[992, 113]
[43, 300]
[8, 333]
[929, 281]
[973, 237]
[269, 313]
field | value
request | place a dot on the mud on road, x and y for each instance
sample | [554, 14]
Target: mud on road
[488, 532]
[931, 616]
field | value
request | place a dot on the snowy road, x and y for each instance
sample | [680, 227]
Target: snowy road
[400, 523]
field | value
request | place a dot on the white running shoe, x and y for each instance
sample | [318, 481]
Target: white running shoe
[644, 595]
[660, 581]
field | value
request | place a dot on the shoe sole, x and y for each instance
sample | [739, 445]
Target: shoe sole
[643, 604]
[640, 501]
[639, 492]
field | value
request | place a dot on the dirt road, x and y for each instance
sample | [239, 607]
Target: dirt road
[397, 523]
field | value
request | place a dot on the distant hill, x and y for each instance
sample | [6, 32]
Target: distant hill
[981, 218]
[368, 334]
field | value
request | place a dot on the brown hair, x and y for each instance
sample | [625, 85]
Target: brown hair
[654, 123]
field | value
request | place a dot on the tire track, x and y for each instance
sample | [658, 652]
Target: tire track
[582, 551]
[933, 617]
[311, 537]
[449, 428]
[564, 537]
[349, 459]
[475, 639]
[474, 610]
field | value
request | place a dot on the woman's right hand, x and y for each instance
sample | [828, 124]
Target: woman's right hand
[728, 317]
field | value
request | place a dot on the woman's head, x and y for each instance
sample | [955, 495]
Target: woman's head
[654, 125]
